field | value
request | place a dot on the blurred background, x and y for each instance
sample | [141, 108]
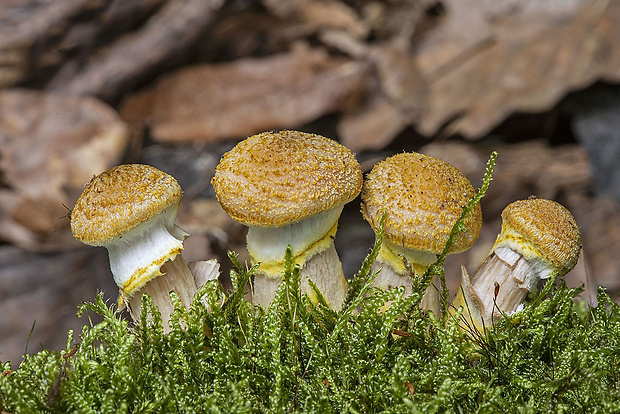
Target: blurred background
[89, 84]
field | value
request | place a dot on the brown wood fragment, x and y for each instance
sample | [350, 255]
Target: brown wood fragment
[51, 145]
[176, 26]
[215, 102]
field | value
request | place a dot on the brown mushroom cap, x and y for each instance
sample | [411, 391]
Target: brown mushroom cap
[278, 178]
[545, 225]
[119, 199]
[423, 197]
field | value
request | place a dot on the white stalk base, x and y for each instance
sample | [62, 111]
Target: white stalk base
[389, 278]
[176, 277]
[499, 286]
[324, 269]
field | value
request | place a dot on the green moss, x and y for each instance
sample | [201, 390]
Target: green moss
[224, 355]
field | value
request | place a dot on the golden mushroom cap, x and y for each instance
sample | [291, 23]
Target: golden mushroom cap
[544, 229]
[119, 199]
[423, 197]
[278, 178]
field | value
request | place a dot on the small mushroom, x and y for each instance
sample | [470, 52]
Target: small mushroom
[289, 188]
[130, 210]
[538, 237]
[422, 198]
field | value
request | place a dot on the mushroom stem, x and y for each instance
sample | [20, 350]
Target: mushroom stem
[307, 237]
[334, 288]
[498, 286]
[389, 277]
[394, 272]
[131, 256]
[313, 249]
[264, 288]
[514, 279]
[327, 262]
[178, 278]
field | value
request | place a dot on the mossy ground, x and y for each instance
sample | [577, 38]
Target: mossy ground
[224, 355]
[556, 355]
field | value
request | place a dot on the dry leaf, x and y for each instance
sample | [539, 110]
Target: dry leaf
[399, 76]
[51, 145]
[214, 102]
[599, 222]
[462, 30]
[47, 288]
[529, 168]
[372, 126]
[400, 18]
[177, 25]
[42, 36]
[311, 16]
[534, 59]
[395, 101]
[332, 15]
[28, 23]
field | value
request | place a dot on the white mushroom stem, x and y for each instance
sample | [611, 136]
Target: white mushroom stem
[514, 277]
[334, 287]
[140, 257]
[395, 273]
[313, 249]
[499, 285]
[205, 271]
[389, 278]
[138, 254]
[176, 277]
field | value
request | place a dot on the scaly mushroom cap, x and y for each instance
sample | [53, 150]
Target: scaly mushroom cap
[278, 178]
[423, 197]
[541, 229]
[120, 199]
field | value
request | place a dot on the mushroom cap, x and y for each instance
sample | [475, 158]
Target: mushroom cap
[119, 199]
[282, 177]
[423, 197]
[544, 226]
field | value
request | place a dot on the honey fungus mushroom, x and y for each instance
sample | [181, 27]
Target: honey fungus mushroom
[131, 210]
[422, 198]
[538, 237]
[289, 188]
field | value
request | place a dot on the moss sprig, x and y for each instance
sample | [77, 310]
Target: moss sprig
[556, 355]
[380, 353]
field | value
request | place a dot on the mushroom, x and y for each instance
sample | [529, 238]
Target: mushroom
[422, 198]
[289, 188]
[538, 238]
[130, 210]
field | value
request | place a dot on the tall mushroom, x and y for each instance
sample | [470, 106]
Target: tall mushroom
[289, 188]
[130, 210]
[422, 198]
[538, 237]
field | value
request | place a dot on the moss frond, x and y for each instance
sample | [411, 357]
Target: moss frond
[380, 353]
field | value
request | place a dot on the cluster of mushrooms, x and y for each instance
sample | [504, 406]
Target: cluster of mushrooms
[289, 188]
